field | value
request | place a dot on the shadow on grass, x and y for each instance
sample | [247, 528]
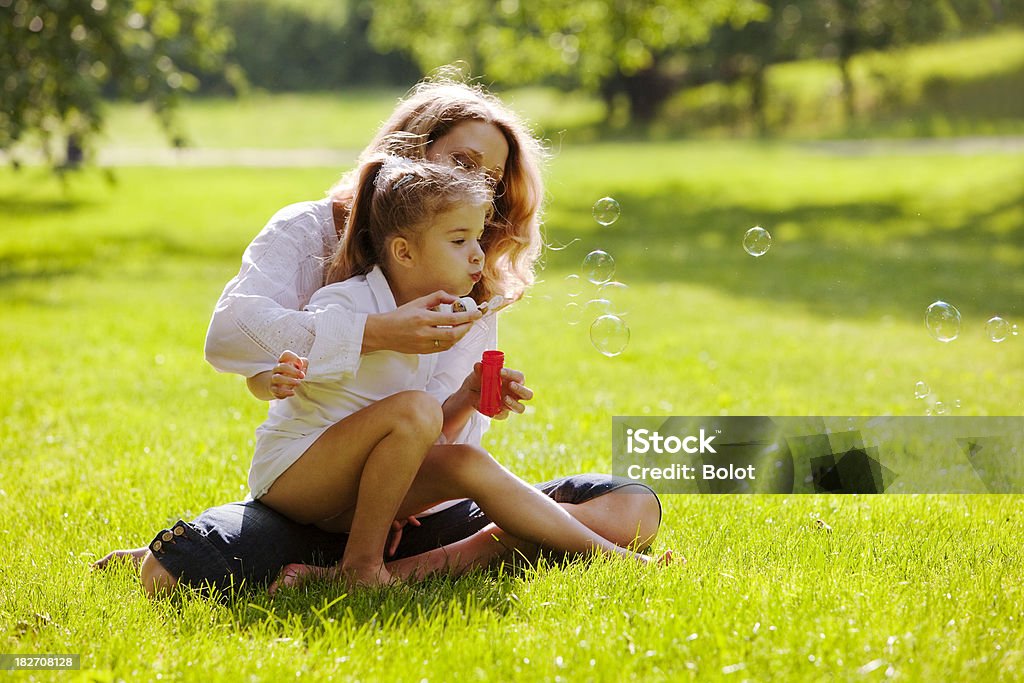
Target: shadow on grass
[31, 267]
[324, 607]
[103, 254]
[15, 208]
[836, 260]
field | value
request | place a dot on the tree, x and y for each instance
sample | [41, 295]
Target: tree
[62, 57]
[629, 48]
[855, 26]
[287, 45]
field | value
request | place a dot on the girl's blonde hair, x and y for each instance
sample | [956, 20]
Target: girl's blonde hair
[429, 112]
[398, 197]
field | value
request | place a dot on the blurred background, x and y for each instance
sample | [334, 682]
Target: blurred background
[81, 79]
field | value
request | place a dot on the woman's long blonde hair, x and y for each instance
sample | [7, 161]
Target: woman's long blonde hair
[430, 110]
[399, 197]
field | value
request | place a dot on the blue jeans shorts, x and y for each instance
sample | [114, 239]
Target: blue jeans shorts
[249, 543]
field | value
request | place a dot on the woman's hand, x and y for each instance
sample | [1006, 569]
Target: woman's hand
[395, 535]
[513, 391]
[288, 374]
[415, 327]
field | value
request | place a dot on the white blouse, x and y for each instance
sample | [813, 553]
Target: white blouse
[329, 393]
[261, 311]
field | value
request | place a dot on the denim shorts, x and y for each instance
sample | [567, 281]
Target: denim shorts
[249, 543]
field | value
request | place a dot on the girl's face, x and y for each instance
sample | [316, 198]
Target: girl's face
[473, 144]
[447, 255]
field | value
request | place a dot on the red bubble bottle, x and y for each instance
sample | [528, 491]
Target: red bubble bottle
[490, 383]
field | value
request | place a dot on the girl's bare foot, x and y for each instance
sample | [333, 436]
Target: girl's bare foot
[369, 576]
[133, 555]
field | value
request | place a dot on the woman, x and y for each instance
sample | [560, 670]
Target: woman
[260, 314]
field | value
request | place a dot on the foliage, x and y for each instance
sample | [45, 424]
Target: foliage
[603, 46]
[283, 45]
[839, 30]
[645, 52]
[60, 59]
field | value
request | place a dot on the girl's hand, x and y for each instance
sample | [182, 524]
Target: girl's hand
[288, 374]
[513, 391]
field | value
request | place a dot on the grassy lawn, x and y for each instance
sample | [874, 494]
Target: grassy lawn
[113, 426]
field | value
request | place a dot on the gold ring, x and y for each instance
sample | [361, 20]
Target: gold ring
[437, 344]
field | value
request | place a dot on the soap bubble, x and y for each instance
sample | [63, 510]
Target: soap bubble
[757, 241]
[609, 335]
[606, 211]
[614, 291]
[943, 321]
[998, 329]
[574, 285]
[1014, 330]
[611, 288]
[940, 408]
[956, 403]
[921, 390]
[599, 267]
[573, 313]
[595, 308]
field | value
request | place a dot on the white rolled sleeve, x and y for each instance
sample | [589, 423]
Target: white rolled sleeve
[259, 314]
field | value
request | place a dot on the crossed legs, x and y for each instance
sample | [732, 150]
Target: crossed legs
[625, 516]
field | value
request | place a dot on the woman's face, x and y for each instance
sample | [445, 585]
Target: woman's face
[473, 144]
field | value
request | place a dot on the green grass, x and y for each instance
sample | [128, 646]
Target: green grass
[113, 426]
[343, 120]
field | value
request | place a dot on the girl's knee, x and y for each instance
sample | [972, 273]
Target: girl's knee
[417, 412]
[467, 464]
[156, 580]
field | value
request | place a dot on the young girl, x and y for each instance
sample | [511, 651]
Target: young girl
[353, 452]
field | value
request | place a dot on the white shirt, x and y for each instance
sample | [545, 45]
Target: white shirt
[260, 313]
[330, 393]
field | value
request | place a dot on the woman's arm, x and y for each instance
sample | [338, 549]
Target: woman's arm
[259, 313]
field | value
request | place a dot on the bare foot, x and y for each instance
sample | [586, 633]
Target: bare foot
[295, 575]
[663, 560]
[369, 576]
[134, 556]
[667, 558]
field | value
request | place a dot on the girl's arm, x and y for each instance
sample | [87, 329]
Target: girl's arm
[280, 382]
[459, 408]
[456, 384]
[461, 405]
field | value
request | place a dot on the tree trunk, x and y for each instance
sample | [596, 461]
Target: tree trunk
[647, 90]
[848, 99]
[758, 96]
